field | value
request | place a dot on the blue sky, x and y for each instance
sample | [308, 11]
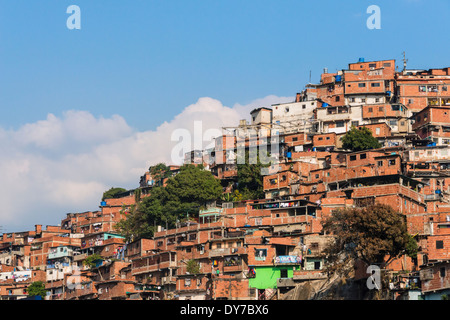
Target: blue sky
[147, 60]
[85, 110]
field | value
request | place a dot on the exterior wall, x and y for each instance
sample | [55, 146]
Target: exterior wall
[378, 129]
[435, 280]
[292, 111]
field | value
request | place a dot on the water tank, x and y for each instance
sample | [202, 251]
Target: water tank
[324, 105]
[103, 203]
[338, 78]
[361, 60]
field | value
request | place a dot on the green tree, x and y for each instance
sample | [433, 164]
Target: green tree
[359, 139]
[92, 260]
[111, 193]
[184, 194]
[249, 178]
[159, 172]
[37, 288]
[193, 267]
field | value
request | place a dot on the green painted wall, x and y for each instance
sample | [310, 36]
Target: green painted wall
[266, 277]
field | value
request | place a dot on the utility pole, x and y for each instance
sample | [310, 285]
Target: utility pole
[404, 60]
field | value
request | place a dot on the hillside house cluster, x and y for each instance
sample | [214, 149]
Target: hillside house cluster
[262, 248]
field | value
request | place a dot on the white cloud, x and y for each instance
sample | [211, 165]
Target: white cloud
[63, 164]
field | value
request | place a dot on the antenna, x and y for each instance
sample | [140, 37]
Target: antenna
[404, 60]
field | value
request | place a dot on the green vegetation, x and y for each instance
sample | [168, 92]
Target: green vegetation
[359, 140]
[91, 261]
[159, 172]
[193, 267]
[112, 192]
[249, 178]
[37, 288]
[184, 194]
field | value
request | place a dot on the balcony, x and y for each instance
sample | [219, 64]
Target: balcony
[305, 275]
[58, 253]
[219, 252]
[226, 252]
[285, 282]
[80, 257]
[154, 267]
[168, 280]
[237, 268]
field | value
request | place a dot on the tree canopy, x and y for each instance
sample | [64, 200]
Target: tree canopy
[91, 261]
[37, 288]
[183, 195]
[109, 194]
[359, 139]
[375, 234]
[250, 183]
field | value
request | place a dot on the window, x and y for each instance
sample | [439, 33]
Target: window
[363, 100]
[392, 122]
[283, 273]
[355, 123]
[375, 84]
[361, 85]
[340, 124]
[370, 109]
[442, 272]
[377, 99]
[386, 64]
[317, 265]
[380, 109]
[377, 131]
[372, 65]
[286, 109]
[187, 282]
[439, 244]
[304, 106]
[352, 99]
[380, 163]
[320, 139]
[294, 139]
[352, 158]
[422, 89]
[260, 254]
[338, 98]
[392, 162]
[363, 156]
